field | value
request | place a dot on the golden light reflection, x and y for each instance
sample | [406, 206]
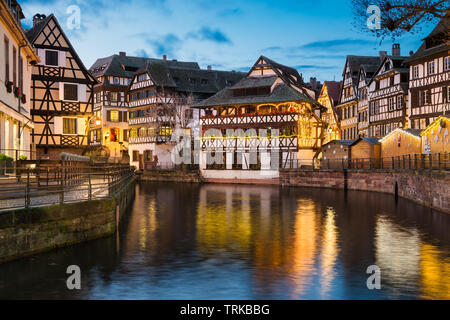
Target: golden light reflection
[148, 225]
[435, 271]
[304, 246]
[329, 252]
[218, 227]
[397, 252]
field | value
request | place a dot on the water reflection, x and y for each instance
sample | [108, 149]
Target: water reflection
[251, 242]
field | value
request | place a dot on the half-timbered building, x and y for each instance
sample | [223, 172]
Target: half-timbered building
[108, 129]
[329, 98]
[388, 95]
[61, 92]
[16, 56]
[429, 84]
[366, 73]
[348, 107]
[266, 120]
[160, 95]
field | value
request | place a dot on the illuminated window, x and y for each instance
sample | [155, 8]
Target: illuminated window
[69, 126]
[165, 131]
[114, 116]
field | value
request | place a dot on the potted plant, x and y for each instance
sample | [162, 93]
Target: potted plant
[9, 86]
[23, 99]
[16, 92]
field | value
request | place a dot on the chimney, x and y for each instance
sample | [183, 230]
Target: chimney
[313, 82]
[383, 54]
[164, 57]
[38, 18]
[396, 50]
[209, 68]
[123, 54]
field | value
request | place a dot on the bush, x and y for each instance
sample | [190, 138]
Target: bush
[23, 157]
[2, 156]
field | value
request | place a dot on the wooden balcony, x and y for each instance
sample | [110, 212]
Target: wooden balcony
[249, 120]
[149, 119]
[283, 143]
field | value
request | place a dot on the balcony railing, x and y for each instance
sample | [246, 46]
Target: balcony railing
[249, 119]
[149, 119]
[253, 143]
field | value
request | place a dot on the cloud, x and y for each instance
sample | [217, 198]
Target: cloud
[167, 44]
[208, 34]
[315, 67]
[336, 44]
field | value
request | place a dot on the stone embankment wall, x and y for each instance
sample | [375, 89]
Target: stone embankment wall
[171, 176]
[28, 231]
[428, 189]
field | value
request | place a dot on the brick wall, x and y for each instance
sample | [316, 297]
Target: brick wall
[429, 190]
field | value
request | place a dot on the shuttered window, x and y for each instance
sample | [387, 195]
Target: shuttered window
[69, 126]
[135, 156]
[125, 135]
[51, 58]
[70, 92]
[6, 46]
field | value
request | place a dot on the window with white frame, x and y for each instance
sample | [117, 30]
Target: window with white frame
[431, 67]
[447, 63]
[415, 72]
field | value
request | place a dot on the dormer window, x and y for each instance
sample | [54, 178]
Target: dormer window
[51, 58]
[141, 77]
[229, 83]
[192, 81]
[387, 66]
[204, 82]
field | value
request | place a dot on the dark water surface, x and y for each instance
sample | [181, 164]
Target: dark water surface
[250, 242]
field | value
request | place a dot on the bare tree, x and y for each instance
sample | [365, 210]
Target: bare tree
[401, 16]
[171, 110]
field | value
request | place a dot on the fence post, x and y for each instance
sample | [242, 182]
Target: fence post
[90, 185]
[430, 162]
[439, 161]
[61, 185]
[27, 190]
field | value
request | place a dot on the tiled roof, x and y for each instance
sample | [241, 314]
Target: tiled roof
[334, 89]
[255, 82]
[375, 141]
[37, 28]
[281, 93]
[126, 66]
[344, 142]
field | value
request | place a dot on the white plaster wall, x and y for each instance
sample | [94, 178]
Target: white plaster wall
[241, 174]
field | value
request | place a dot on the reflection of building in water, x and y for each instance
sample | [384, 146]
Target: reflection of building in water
[435, 271]
[304, 245]
[397, 253]
[221, 222]
[329, 253]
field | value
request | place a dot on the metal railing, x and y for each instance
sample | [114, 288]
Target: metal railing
[431, 162]
[42, 183]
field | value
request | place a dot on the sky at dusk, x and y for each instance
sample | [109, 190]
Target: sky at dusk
[312, 36]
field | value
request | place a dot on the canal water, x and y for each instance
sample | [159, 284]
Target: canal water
[184, 241]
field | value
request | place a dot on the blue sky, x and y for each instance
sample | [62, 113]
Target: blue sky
[312, 36]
